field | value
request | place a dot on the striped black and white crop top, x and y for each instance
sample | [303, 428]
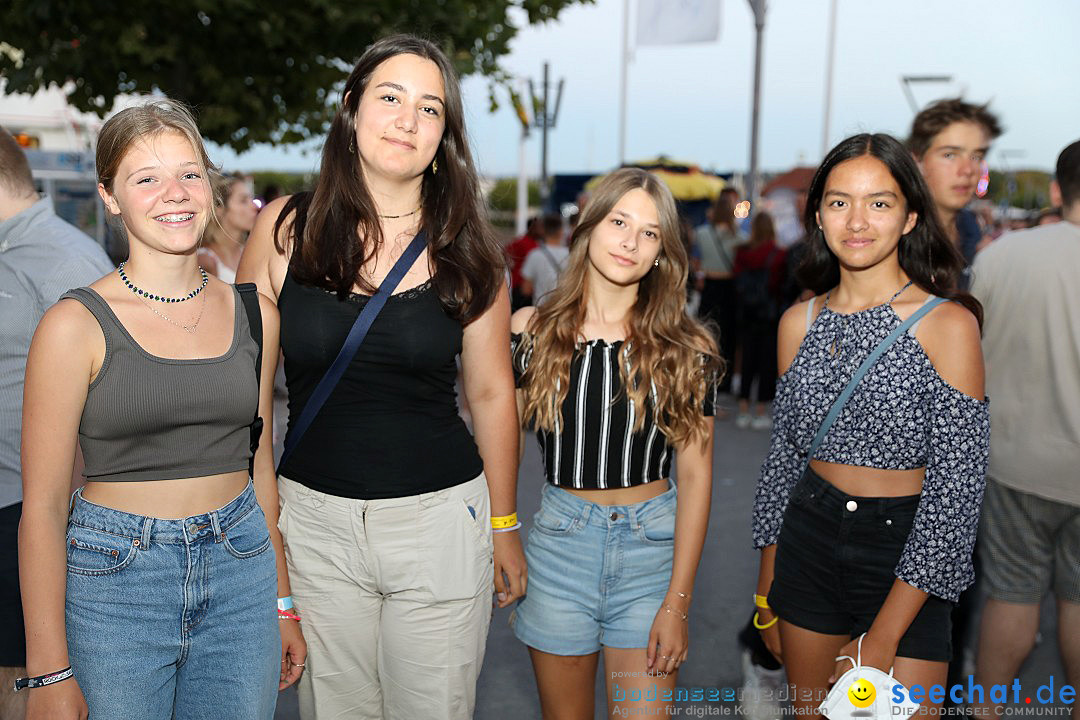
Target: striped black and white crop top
[596, 447]
[902, 415]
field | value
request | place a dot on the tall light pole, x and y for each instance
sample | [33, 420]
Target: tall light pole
[752, 189]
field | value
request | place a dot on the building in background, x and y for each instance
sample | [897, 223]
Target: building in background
[59, 144]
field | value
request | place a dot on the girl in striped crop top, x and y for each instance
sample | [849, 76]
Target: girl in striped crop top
[874, 533]
[615, 377]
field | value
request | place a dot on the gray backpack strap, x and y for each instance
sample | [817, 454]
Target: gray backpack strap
[841, 401]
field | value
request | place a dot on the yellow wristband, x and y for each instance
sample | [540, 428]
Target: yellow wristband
[766, 626]
[504, 521]
[761, 601]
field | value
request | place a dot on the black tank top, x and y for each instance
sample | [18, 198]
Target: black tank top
[391, 426]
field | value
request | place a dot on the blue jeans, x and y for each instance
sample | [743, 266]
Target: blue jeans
[597, 573]
[173, 618]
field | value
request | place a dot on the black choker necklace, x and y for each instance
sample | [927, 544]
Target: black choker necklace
[160, 298]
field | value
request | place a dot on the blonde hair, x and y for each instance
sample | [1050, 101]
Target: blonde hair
[222, 185]
[148, 119]
[665, 347]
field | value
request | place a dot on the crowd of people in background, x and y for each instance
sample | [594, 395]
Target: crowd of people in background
[624, 342]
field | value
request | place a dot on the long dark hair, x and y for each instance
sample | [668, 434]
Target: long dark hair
[925, 253]
[335, 228]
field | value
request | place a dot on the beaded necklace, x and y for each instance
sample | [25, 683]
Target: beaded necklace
[160, 298]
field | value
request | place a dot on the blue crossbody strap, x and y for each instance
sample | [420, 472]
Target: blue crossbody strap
[841, 401]
[352, 343]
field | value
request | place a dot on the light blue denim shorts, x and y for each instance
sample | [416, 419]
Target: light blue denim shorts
[173, 619]
[597, 573]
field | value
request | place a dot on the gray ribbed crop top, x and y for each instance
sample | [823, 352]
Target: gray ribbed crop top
[153, 418]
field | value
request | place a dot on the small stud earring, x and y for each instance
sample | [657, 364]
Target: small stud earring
[435, 166]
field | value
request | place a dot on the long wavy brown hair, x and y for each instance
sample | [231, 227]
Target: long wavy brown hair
[666, 351]
[335, 229]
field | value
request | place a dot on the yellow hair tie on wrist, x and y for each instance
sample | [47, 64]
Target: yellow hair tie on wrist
[766, 626]
[504, 521]
[761, 601]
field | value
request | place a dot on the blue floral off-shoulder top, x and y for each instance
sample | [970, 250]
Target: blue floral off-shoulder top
[902, 415]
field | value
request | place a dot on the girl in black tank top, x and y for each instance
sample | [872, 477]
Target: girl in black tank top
[171, 552]
[388, 499]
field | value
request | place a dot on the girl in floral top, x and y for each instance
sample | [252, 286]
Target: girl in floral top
[874, 534]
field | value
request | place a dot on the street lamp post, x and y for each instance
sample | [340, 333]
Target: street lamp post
[752, 189]
[545, 120]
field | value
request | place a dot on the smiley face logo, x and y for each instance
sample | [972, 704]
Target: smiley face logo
[861, 693]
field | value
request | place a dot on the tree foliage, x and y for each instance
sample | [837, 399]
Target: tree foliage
[255, 70]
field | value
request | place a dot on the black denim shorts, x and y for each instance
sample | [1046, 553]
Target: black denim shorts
[835, 562]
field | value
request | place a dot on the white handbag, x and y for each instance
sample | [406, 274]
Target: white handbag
[866, 692]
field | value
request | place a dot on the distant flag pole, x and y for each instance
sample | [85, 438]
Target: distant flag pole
[830, 59]
[664, 22]
[624, 66]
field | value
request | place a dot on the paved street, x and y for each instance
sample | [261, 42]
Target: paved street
[721, 597]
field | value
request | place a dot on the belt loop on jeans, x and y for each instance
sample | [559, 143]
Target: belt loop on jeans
[215, 523]
[148, 524]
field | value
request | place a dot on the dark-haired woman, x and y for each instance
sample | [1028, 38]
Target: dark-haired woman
[875, 535]
[616, 379]
[385, 500]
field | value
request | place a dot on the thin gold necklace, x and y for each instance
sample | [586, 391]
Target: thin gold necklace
[186, 328]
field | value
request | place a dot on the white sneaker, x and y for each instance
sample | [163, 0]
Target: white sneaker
[762, 690]
[761, 422]
[743, 420]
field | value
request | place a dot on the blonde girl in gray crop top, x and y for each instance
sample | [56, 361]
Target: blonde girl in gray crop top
[916, 425]
[152, 370]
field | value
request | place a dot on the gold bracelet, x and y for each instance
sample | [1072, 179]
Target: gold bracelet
[761, 601]
[673, 611]
[766, 626]
[504, 521]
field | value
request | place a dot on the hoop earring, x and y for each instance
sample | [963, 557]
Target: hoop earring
[435, 166]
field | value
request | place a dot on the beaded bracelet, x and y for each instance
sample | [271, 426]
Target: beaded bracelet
[286, 615]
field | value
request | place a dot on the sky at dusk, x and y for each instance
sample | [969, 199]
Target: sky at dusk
[692, 102]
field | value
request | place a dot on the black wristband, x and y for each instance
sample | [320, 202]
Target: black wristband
[43, 680]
